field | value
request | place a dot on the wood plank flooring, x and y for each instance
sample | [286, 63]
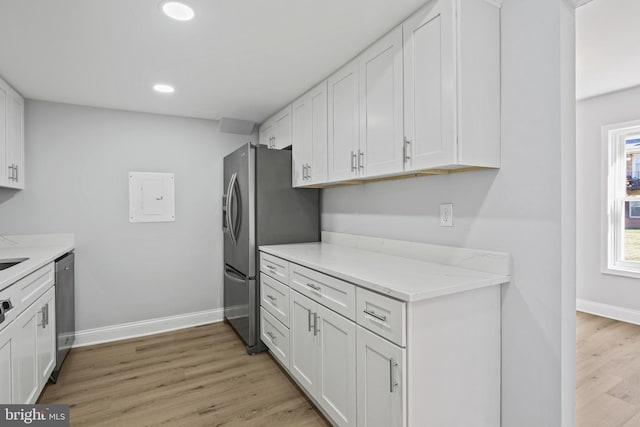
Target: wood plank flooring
[608, 372]
[192, 377]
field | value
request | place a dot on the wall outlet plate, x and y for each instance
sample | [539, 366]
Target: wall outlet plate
[446, 215]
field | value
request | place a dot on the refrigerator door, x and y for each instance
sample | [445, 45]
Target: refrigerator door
[238, 210]
[240, 301]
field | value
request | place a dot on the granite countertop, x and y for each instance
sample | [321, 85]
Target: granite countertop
[40, 250]
[402, 278]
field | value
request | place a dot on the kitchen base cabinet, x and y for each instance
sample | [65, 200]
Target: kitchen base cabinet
[7, 358]
[303, 341]
[336, 366]
[398, 350]
[381, 382]
[28, 341]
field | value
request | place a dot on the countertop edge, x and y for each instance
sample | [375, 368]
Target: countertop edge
[57, 251]
[493, 280]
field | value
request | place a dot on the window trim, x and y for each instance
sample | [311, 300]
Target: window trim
[614, 175]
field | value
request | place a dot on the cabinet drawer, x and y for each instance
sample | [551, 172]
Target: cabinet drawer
[274, 297]
[10, 294]
[382, 315]
[275, 267]
[333, 293]
[33, 286]
[275, 336]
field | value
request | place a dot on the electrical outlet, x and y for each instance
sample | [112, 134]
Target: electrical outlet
[446, 215]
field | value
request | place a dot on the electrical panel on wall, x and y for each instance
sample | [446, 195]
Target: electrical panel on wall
[151, 197]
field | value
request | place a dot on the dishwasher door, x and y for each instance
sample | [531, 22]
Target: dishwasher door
[65, 309]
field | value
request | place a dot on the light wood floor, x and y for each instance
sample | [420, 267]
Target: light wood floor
[194, 377]
[608, 372]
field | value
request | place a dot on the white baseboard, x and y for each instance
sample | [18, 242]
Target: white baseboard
[146, 327]
[611, 311]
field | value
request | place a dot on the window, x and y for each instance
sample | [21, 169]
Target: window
[621, 170]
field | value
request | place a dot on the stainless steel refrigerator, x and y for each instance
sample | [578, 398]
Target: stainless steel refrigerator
[259, 207]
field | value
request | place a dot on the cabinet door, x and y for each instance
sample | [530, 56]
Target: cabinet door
[430, 86]
[25, 372]
[46, 336]
[317, 172]
[15, 138]
[301, 155]
[336, 391]
[381, 381]
[7, 360]
[266, 133]
[303, 341]
[343, 123]
[310, 137]
[5, 172]
[381, 118]
[282, 129]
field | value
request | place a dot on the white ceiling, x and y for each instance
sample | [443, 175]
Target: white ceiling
[607, 47]
[237, 58]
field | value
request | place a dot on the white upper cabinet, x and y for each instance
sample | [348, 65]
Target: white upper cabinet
[381, 122]
[452, 85]
[309, 114]
[276, 132]
[344, 123]
[11, 137]
[424, 99]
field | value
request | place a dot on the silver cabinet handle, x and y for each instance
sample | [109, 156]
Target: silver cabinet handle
[15, 168]
[314, 287]
[315, 324]
[309, 320]
[46, 314]
[392, 382]
[271, 267]
[271, 297]
[42, 318]
[274, 142]
[304, 171]
[407, 149]
[360, 159]
[271, 335]
[12, 173]
[380, 317]
[308, 171]
[354, 168]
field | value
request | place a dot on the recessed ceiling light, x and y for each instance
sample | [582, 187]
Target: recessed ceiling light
[178, 11]
[162, 88]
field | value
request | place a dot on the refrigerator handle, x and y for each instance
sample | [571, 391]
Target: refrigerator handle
[230, 192]
[233, 275]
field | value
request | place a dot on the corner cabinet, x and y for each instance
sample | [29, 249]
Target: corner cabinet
[11, 137]
[275, 133]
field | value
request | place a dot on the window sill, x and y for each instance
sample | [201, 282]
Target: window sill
[622, 271]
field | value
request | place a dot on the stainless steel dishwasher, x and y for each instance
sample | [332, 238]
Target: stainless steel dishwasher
[65, 310]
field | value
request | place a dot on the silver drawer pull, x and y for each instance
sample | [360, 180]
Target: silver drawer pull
[271, 335]
[380, 317]
[271, 297]
[314, 287]
[270, 267]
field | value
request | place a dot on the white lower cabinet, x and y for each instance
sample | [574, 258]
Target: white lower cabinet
[28, 351]
[323, 357]
[381, 381]
[336, 366]
[303, 341]
[46, 337]
[7, 357]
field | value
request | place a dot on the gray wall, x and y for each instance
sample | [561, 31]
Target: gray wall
[77, 164]
[516, 209]
[592, 114]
